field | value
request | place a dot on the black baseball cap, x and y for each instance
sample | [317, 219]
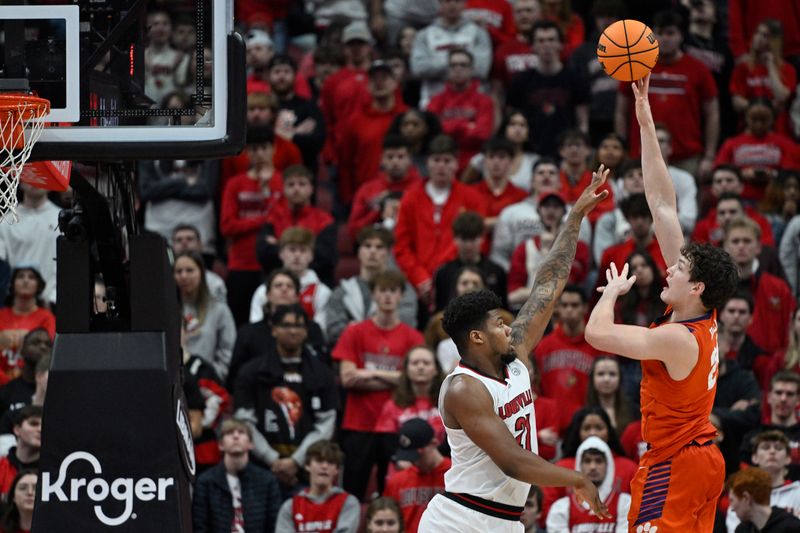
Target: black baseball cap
[413, 435]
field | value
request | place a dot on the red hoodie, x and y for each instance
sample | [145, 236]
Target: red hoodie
[423, 235]
[365, 210]
[336, 98]
[361, 145]
[281, 216]
[745, 15]
[467, 116]
[572, 192]
[707, 229]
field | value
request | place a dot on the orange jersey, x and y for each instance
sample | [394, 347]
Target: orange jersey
[675, 413]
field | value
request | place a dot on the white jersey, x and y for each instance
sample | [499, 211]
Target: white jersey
[473, 472]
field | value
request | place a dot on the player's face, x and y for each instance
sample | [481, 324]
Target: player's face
[373, 254]
[593, 466]
[771, 456]
[421, 367]
[606, 377]
[395, 162]
[742, 245]
[593, 425]
[384, 521]
[322, 472]
[678, 284]
[499, 336]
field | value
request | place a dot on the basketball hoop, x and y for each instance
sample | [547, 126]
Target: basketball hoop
[20, 128]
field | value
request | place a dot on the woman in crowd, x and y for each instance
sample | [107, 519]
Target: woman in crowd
[514, 128]
[209, 328]
[24, 312]
[605, 390]
[416, 395]
[417, 128]
[611, 153]
[18, 513]
[383, 516]
[780, 201]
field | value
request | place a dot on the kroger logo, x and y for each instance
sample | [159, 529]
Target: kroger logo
[122, 489]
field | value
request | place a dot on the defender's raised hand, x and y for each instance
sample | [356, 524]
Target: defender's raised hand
[618, 281]
[590, 196]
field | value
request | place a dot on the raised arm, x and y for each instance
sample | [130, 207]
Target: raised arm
[468, 406]
[658, 187]
[532, 319]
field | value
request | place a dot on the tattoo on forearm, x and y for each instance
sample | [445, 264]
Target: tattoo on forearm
[550, 279]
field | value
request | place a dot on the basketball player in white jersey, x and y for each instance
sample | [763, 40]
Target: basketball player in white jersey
[486, 403]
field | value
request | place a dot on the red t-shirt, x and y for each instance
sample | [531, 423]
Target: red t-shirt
[565, 363]
[774, 150]
[547, 417]
[311, 516]
[513, 57]
[373, 348]
[244, 210]
[753, 82]
[632, 441]
[10, 359]
[707, 229]
[496, 16]
[677, 94]
[413, 490]
[393, 416]
[571, 193]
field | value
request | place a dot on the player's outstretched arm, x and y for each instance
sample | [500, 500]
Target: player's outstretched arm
[658, 186]
[532, 319]
[468, 404]
[670, 343]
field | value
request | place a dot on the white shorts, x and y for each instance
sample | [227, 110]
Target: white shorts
[445, 515]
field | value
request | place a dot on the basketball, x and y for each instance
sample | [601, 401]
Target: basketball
[627, 50]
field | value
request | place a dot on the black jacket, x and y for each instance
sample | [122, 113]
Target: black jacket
[212, 505]
[779, 521]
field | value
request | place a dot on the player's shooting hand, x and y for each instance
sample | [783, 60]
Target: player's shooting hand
[618, 282]
[587, 493]
[592, 195]
[640, 90]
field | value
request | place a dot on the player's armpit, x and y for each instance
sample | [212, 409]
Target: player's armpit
[672, 344]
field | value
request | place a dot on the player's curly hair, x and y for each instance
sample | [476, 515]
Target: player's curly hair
[716, 269]
[468, 312]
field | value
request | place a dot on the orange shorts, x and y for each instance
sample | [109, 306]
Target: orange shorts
[678, 495]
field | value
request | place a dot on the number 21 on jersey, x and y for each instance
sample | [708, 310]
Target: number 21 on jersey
[523, 428]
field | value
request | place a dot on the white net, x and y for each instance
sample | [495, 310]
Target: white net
[20, 128]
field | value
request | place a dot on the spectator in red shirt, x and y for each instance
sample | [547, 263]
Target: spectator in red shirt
[642, 237]
[759, 152]
[744, 16]
[28, 433]
[424, 238]
[495, 188]
[246, 203]
[516, 54]
[370, 355]
[764, 74]
[574, 149]
[416, 395]
[361, 133]
[728, 179]
[295, 209]
[466, 114]
[684, 98]
[423, 478]
[772, 297]
[564, 356]
[398, 175]
[338, 93]
[495, 17]
[23, 313]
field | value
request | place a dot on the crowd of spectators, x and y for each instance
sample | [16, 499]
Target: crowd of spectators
[400, 153]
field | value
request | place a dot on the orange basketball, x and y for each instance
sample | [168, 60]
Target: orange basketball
[627, 50]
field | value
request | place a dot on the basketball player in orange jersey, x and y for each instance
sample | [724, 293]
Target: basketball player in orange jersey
[486, 402]
[681, 475]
